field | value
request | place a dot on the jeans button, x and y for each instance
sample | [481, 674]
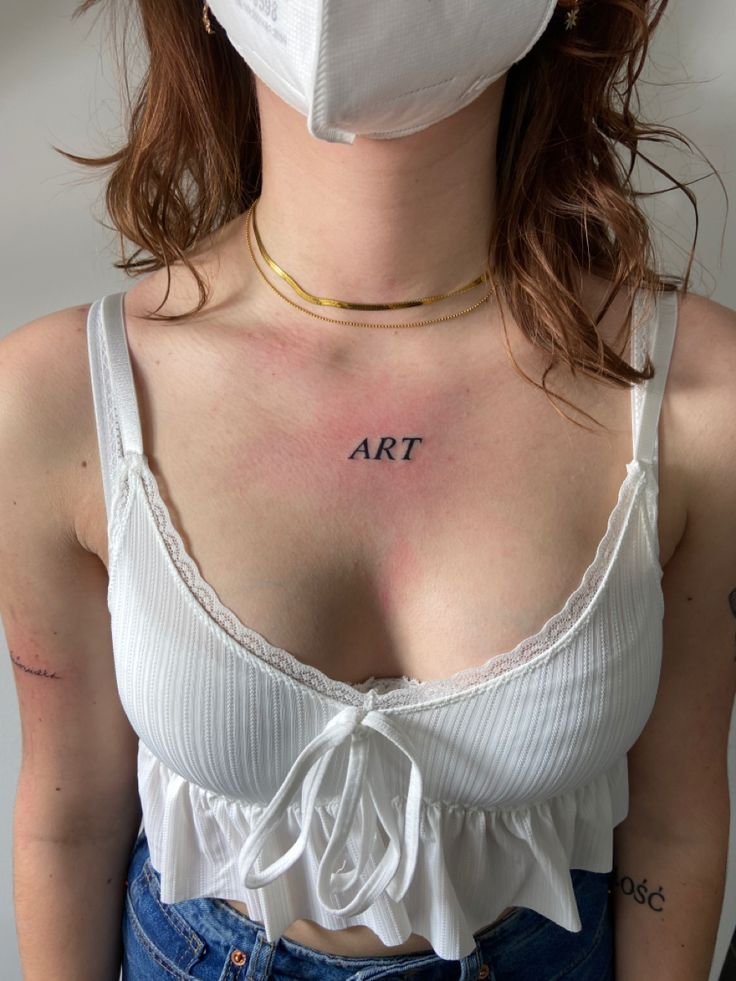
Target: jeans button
[238, 958]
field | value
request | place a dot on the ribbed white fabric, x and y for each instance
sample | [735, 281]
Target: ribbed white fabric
[406, 806]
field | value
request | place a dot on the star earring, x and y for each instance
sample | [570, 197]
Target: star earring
[571, 18]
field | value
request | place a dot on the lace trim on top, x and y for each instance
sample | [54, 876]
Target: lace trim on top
[400, 690]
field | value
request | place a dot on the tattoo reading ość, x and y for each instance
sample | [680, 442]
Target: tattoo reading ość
[640, 892]
[385, 445]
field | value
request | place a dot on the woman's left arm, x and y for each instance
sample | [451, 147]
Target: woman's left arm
[670, 851]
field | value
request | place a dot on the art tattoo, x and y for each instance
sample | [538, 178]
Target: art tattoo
[641, 893]
[39, 671]
[364, 449]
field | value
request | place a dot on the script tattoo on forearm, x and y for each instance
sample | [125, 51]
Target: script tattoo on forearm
[732, 606]
[39, 671]
[363, 447]
[640, 892]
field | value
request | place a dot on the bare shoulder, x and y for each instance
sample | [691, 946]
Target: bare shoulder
[706, 340]
[706, 343]
[702, 383]
[698, 678]
[45, 401]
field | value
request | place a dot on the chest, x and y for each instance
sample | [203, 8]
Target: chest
[389, 523]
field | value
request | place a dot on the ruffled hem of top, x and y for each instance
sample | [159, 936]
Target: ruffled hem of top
[472, 863]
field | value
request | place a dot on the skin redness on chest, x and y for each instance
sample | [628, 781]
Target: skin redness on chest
[399, 572]
[340, 437]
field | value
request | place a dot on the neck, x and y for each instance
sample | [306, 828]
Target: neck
[379, 221]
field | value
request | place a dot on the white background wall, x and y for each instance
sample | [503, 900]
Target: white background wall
[58, 85]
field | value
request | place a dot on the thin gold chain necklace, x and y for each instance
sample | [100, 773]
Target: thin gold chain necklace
[484, 277]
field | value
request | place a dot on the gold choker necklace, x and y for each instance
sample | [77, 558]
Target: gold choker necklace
[344, 304]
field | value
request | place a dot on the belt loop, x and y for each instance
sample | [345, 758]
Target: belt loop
[259, 959]
[474, 967]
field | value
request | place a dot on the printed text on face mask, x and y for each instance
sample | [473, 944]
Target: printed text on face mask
[270, 8]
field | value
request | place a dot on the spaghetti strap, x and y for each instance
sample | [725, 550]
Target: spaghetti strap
[121, 373]
[654, 334]
[115, 402]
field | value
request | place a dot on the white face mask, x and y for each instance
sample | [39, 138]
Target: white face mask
[380, 68]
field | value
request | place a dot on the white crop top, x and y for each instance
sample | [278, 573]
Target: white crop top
[402, 805]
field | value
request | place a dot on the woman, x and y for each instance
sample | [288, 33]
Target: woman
[473, 636]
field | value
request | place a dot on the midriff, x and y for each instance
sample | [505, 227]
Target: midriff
[357, 941]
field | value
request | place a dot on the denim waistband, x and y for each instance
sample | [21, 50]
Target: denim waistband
[209, 939]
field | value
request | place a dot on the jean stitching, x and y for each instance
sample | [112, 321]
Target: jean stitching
[190, 937]
[228, 974]
[240, 918]
[299, 949]
[150, 949]
[401, 960]
[271, 952]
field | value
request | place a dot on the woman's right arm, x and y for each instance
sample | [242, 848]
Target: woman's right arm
[77, 810]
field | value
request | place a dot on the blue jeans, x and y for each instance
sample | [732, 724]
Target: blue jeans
[208, 939]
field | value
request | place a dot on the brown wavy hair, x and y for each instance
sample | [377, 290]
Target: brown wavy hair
[191, 162]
